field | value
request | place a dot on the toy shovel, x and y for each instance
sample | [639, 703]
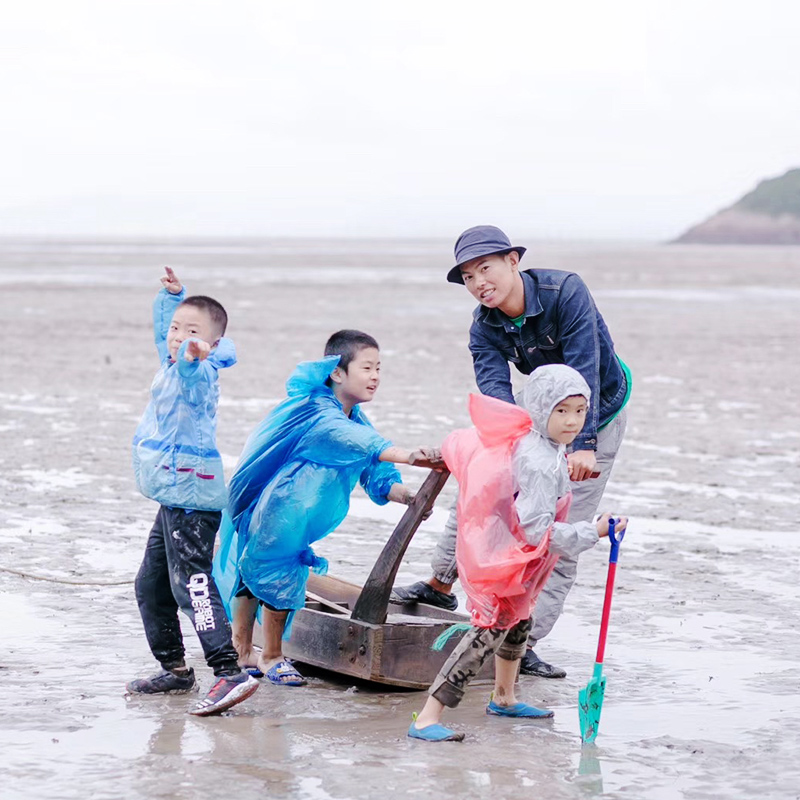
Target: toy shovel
[590, 699]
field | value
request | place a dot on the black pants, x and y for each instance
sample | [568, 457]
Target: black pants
[176, 574]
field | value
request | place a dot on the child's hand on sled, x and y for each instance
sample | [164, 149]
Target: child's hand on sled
[602, 524]
[401, 494]
[197, 349]
[426, 457]
[171, 282]
[410, 497]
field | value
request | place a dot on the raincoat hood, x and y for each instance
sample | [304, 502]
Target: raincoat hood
[311, 376]
[546, 387]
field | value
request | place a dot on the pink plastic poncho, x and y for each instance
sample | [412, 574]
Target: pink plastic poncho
[501, 573]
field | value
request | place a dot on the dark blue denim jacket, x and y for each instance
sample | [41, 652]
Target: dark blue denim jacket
[562, 326]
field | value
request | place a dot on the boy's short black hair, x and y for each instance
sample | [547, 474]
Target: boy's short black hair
[212, 307]
[347, 344]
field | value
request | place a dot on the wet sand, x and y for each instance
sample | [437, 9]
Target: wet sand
[702, 697]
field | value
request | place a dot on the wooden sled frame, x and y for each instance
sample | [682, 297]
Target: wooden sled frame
[359, 632]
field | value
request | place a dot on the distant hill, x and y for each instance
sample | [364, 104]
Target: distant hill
[770, 214]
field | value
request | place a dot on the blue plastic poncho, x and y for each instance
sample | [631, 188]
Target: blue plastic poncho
[292, 487]
[175, 456]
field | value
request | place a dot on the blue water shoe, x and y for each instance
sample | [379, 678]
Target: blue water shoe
[518, 710]
[433, 733]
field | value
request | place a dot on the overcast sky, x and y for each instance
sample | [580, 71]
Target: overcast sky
[581, 119]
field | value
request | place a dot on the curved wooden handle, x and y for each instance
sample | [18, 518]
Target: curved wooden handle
[373, 602]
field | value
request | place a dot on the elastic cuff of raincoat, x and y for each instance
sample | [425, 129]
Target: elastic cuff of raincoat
[382, 491]
[317, 564]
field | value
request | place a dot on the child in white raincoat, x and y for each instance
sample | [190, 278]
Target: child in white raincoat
[514, 495]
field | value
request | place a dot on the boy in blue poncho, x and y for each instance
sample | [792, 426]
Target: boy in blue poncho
[177, 464]
[292, 487]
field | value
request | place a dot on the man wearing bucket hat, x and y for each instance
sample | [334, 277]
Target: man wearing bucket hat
[529, 318]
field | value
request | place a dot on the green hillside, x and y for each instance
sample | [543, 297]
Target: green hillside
[774, 196]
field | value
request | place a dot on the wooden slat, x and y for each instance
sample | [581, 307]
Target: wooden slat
[323, 601]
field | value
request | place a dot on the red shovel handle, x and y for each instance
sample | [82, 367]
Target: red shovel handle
[601, 645]
[612, 571]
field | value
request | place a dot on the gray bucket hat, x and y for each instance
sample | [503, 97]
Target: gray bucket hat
[482, 240]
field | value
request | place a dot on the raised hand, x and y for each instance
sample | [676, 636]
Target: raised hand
[171, 282]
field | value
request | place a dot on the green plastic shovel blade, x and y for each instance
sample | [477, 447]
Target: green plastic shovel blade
[590, 704]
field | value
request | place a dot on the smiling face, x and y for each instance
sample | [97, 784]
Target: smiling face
[190, 322]
[494, 281]
[359, 382]
[567, 419]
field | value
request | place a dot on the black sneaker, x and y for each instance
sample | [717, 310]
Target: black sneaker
[532, 665]
[226, 692]
[424, 593]
[164, 682]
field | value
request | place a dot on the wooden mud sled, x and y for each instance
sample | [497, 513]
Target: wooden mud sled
[359, 632]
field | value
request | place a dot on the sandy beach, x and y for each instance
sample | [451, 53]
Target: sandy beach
[702, 698]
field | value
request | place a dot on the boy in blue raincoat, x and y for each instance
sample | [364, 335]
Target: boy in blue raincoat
[177, 464]
[292, 487]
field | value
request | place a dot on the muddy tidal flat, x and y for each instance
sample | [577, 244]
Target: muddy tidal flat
[703, 694]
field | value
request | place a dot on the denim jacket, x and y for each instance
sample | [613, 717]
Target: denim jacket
[562, 326]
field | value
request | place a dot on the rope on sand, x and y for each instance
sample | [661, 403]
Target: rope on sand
[32, 576]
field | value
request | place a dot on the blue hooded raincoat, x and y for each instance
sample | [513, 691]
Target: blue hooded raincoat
[175, 456]
[292, 487]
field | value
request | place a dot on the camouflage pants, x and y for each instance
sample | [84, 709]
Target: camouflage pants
[466, 661]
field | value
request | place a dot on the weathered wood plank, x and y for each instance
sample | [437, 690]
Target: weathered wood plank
[373, 601]
[406, 652]
[396, 653]
[340, 591]
[333, 642]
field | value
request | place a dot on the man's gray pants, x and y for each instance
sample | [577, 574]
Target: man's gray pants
[586, 496]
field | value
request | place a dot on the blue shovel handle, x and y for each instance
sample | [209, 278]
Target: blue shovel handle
[616, 540]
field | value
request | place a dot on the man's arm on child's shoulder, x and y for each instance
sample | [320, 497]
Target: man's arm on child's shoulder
[167, 300]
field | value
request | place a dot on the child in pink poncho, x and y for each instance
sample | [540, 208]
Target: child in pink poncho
[514, 496]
